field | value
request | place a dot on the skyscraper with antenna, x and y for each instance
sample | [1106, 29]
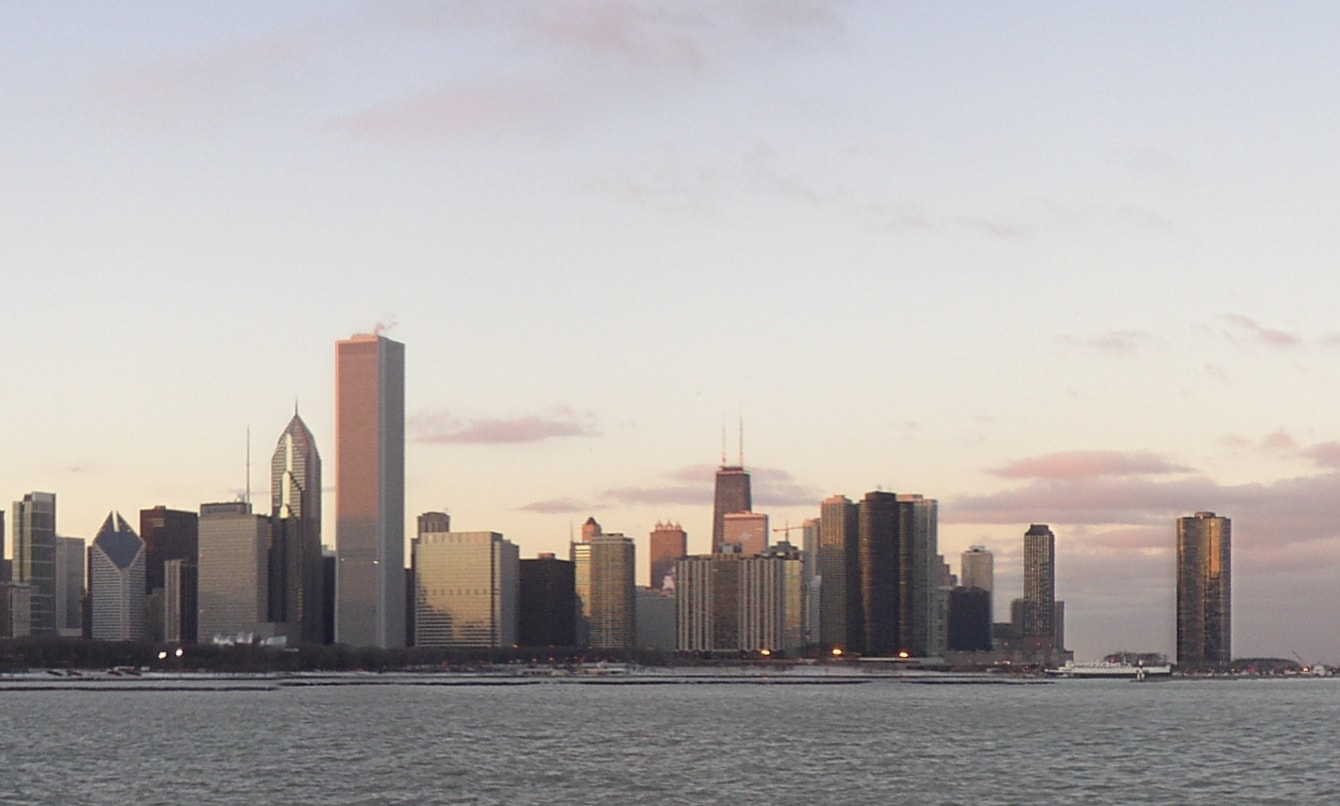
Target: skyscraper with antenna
[732, 491]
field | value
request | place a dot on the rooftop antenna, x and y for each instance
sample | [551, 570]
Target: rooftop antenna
[741, 440]
[723, 441]
[248, 488]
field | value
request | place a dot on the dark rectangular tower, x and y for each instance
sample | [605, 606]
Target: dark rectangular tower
[1204, 591]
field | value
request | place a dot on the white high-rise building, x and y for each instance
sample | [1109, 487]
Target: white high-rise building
[116, 576]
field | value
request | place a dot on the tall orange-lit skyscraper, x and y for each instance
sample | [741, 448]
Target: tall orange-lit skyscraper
[1204, 590]
[370, 491]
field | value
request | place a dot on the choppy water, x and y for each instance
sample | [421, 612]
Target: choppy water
[1071, 742]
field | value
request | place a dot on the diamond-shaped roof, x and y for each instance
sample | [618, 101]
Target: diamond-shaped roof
[118, 541]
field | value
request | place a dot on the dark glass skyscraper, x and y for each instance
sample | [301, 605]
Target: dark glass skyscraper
[732, 495]
[548, 602]
[879, 574]
[1204, 590]
[295, 586]
[370, 491]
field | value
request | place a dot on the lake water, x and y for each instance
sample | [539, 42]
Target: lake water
[1240, 741]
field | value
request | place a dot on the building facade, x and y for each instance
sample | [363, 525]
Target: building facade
[295, 584]
[733, 494]
[233, 572]
[838, 567]
[116, 581]
[370, 491]
[748, 530]
[465, 590]
[34, 554]
[977, 568]
[1039, 615]
[547, 612]
[1204, 591]
[669, 542]
[606, 593]
[71, 558]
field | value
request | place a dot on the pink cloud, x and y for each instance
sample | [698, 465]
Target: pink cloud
[1279, 440]
[1115, 342]
[555, 506]
[670, 494]
[636, 35]
[1084, 464]
[1242, 329]
[778, 488]
[210, 85]
[456, 110]
[1325, 453]
[444, 428]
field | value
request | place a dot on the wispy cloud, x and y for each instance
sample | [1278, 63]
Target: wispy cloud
[555, 506]
[693, 485]
[1242, 330]
[206, 87]
[1088, 464]
[773, 487]
[574, 60]
[1326, 454]
[444, 427]
[1112, 342]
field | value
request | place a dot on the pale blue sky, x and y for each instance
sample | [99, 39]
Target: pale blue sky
[1041, 261]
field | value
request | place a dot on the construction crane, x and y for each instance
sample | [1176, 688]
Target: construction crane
[787, 529]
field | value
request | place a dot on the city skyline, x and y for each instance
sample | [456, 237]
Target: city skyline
[1063, 265]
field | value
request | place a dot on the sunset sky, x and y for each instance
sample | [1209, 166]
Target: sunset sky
[1044, 262]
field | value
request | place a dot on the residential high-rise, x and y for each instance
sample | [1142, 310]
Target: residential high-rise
[732, 495]
[880, 544]
[233, 572]
[547, 611]
[1204, 590]
[977, 568]
[295, 548]
[923, 592]
[370, 491]
[1040, 584]
[748, 530]
[707, 603]
[116, 581]
[465, 590]
[729, 603]
[35, 557]
[70, 576]
[669, 542]
[606, 593]
[840, 620]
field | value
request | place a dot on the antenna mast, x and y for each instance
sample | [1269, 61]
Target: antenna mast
[248, 487]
